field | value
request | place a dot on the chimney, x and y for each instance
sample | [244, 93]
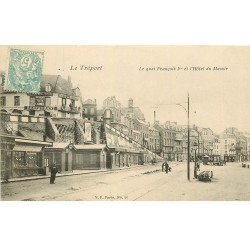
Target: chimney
[130, 103]
[154, 117]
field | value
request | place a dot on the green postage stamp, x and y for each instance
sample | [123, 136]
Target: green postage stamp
[25, 70]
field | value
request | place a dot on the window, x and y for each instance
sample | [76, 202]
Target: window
[48, 88]
[73, 103]
[32, 112]
[16, 100]
[3, 101]
[31, 160]
[14, 118]
[24, 118]
[47, 101]
[19, 159]
[92, 111]
[63, 101]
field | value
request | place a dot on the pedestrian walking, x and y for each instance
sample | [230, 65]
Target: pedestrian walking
[195, 171]
[166, 167]
[53, 172]
[198, 166]
[163, 166]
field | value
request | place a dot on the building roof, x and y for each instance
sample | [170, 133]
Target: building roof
[89, 101]
[140, 121]
[38, 136]
[136, 111]
[58, 84]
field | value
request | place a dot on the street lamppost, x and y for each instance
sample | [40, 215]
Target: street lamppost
[188, 128]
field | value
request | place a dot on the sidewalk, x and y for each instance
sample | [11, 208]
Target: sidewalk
[74, 172]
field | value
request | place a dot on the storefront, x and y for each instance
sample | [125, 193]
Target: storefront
[229, 158]
[116, 157]
[123, 151]
[124, 157]
[215, 158]
[59, 154]
[21, 157]
[87, 157]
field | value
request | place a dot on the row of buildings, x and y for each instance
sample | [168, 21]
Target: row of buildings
[169, 139]
[57, 125]
[53, 126]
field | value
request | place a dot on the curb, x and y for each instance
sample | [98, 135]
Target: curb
[70, 174]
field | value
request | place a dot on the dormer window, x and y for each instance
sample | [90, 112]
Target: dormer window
[47, 87]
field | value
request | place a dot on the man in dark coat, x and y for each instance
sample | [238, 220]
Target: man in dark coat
[198, 166]
[166, 167]
[53, 172]
[163, 166]
[195, 171]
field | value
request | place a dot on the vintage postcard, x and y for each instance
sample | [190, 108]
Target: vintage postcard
[125, 123]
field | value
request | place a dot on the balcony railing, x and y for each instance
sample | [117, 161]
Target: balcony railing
[60, 108]
[69, 109]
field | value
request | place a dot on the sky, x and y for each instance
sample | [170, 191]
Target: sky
[159, 77]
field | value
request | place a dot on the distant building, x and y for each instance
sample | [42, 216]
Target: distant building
[236, 147]
[129, 120]
[216, 149]
[228, 146]
[172, 141]
[135, 111]
[154, 140]
[112, 109]
[89, 108]
[208, 140]
[248, 146]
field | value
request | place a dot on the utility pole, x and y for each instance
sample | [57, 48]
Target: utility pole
[188, 151]
[188, 148]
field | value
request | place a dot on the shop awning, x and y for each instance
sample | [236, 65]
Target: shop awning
[35, 149]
